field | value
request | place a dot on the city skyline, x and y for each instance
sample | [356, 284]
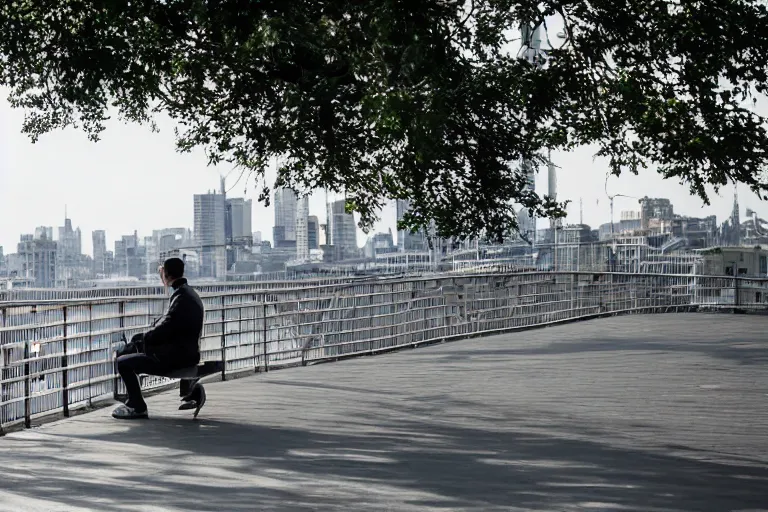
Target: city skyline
[145, 185]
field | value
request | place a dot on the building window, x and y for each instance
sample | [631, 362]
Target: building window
[763, 265]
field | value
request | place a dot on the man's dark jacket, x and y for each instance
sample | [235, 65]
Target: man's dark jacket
[175, 340]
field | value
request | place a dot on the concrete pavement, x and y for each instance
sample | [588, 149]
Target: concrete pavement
[640, 413]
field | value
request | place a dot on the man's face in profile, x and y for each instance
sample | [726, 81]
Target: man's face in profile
[163, 278]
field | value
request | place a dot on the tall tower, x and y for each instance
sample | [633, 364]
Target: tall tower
[210, 232]
[343, 230]
[552, 185]
[407, 241]
[284, 231]
[99, 252]
[735, 218]
[302, 231]
[531, 46]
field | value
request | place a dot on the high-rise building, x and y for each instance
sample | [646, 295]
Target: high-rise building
[99, 253]
[42, 232]
[120, 259]
[109, 263]
[238, 229]
[3, 266]
[130, 257]
[68, 253]
[313, 232]
[655, 210]
[169, 239]
[380, 243]
[210, 233]
[286, 205]
[38, 258]
[342, 230]
[407, 241]
[630, 215]
[241, 212]
[302, 231]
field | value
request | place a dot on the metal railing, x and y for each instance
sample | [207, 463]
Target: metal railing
[156, 289]
[58, 355]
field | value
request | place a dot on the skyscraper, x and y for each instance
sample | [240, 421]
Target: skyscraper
[313, 232]
[531, 41]
[38, 258]
[241, 212]
[284, 232]
[342, 230]
[130, 257]
[99, 252]
[238, 228]
[407, 241]
[302, 232]
[210, 233]
[68, 252]
[43, 232]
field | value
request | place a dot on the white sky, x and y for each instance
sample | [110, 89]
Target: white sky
[133, 179]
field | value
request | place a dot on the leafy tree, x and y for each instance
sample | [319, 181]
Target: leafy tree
[426, 100]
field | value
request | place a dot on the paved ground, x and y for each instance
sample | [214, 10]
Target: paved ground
[643, 413]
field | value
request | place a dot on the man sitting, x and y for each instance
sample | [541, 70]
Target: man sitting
[172, 344]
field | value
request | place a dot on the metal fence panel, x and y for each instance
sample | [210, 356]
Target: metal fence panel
[58, 355]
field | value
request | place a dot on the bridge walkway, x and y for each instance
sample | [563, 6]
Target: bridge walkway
[639, 413]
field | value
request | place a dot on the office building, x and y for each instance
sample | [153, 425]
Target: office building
[239, 234]
[302, 231]
[37, 255]
[284, 231]
[342, 231]
[655, 213]
[99, 238]
[407, 241]
[241, 213]
[130, 257]
[210, 233]
[43, 232]
[380, 243]
[313, 232]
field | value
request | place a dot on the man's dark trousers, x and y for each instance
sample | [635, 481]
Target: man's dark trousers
[130, 366]
[132, 362]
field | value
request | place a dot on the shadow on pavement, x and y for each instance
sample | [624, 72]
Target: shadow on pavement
[249, 467]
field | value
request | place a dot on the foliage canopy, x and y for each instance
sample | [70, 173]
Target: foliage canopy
[425, 100]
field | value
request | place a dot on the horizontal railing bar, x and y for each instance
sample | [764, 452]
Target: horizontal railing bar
[323, 322]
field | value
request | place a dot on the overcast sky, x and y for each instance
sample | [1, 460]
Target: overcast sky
[134, 179]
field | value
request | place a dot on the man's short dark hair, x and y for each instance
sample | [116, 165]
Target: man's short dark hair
[174, 268]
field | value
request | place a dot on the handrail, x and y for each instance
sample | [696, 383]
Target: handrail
[57, 356]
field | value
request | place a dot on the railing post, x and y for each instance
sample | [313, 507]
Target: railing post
[116, 380]
[3, 314]
[90, 355]
[255, 366]
[264, 331]
[64, 371]
[223, 341]
[27, 400]
[27, 410]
